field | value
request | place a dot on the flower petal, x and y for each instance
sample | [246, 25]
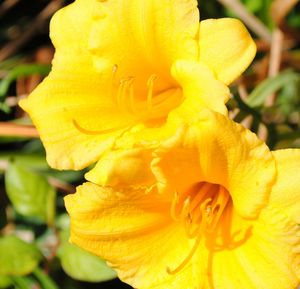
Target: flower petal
[136, 34]
[130, 229]
[226, 47]
[218, 151]
[123, 167]
[286, 191]
[74, 92]
[200, 88]
[269, 258]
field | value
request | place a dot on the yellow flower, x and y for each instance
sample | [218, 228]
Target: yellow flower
[215, 209]
[129, 71]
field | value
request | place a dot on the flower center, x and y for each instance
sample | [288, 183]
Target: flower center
[199, 209]
[154, 106]
[151, 109]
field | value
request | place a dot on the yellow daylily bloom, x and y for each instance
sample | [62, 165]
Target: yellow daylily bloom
[212, 208]
[132, 71]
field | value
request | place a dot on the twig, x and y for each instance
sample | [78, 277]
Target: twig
[249, 19]
[242, 91]
[280, 8]
[247, 121]
[13, 129]
[12, 101]
[61, 186]
[7, 5]
[275, 60]
[45, 14]
[3, 165]
[233, 113]
[262, 132]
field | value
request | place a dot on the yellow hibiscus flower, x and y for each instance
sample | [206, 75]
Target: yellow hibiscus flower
[132, 71]
[212, 208]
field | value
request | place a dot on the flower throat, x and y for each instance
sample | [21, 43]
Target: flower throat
[152, 109]
[199, 209]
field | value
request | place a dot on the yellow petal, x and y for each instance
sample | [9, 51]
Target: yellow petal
[199, 88]
[66, 107]
[123, 167]
[219, 151]
[268, 259]
[131, 229]
[226, 47]
[286, 191]
[147, 34]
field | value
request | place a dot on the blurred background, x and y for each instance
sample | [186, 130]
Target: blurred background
[34, 226]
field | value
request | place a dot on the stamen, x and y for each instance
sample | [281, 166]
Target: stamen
[126, 91]
[98, 132]
[174, 214]
[196, 244]
[150, 85]
[200, 195]
[200, 209]
[218, 208]
[115, 69]
[114, 74]
[131, 96]
[121, 93]
[113, 80]
[199, 220]
[187, 259]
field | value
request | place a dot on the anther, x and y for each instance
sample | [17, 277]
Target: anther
[115, 68]
[114, 72]
[218, 208]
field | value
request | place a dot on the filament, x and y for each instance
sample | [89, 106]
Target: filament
[200, 209]
[98, 132]
[150, 85]
[138, 111]
[187, 258]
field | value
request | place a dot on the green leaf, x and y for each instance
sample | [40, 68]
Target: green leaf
[30, 193]
[269, 86]
[253, 5]
[22, 70]
[44, 280]
[22, 282]
[31, 160]
[17, 257]
[81, 265]
[63, 222]
[5, 282]
[10, 63]
[288, 99]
